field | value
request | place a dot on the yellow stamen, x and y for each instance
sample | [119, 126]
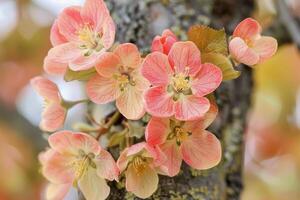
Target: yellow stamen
[124, 80]
[181, 83]
[91, 40]
[181, 134]
[139, 164]
[81, 165]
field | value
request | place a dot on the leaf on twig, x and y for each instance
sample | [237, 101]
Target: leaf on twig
[223, 63]
[84, 75]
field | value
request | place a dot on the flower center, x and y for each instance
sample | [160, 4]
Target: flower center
[91, 41]
[178, 133]
[180, 82]
[139, 164]
[249, 43]
[123, 80]
[81, 164]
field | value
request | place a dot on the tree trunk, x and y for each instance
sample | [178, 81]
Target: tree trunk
[138, 21]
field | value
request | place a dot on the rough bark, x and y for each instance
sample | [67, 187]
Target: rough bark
[138, 21]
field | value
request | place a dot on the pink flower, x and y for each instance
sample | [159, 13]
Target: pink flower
[79, 36]
[185, 140]
[164, 43]
[179, 82]
[54, 113]
[76, 159]
[139, 163]
[248, 46]
[119, 79]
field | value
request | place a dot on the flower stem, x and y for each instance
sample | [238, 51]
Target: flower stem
[109, 124]
[70, 104]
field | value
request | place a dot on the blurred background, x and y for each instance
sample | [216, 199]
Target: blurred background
[272, 151]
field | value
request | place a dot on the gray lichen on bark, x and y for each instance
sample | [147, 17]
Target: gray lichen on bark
[138, 21]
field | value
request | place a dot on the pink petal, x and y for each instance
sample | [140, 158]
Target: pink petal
[207, 80]
[141, 83]
[158, 102]
[94, 12]
[108, 64]
[174, 159]
[53, 117]
[46, 88]
[168, 33]
[56, 37]
[106, 166]
[142, 183]
[191, 108]
[56, 168]
[185, 57]
[122, 161]
[130, 103]
[70, 22]
[164, 43]
[168, 44]
[266, 47]
[156, 69]
[54, 68]
[157, 130]
[68, 142]
[203, 122]
[109, 32]
[129, 55]
[240, 51]
[83, 62]
[64, 53]
[57, 191]
[102, 90]
[92, 186]
[159, 157]
[248, 29]
[136, 148]
[202, 150]
[157, 45]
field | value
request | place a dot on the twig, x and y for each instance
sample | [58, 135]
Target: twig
[289, 22]
[108, 125]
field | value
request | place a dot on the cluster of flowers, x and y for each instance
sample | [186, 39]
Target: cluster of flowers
[170, 84]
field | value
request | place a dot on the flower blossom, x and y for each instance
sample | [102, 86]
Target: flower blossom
[188, 141]
[164, 42]
[54, 113]
[119, 79]
[139, 163]
[179, 82]
[76, 159]
[248, 46]
[79, 36]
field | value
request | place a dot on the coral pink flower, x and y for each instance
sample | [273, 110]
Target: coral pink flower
[119, 79]
[185, 140]
[54, 113]
[164, 43]
[248, 46]
[76, 159]
[79, 36]
[179, 82]
[139, 163]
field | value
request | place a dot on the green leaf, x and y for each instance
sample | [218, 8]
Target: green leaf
[208, 40]
[116, 139]
[223, 63]
[84, 75]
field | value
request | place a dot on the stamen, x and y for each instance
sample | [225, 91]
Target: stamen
[92, 41]
[139, 164]
[181, 82]
[81, 165]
